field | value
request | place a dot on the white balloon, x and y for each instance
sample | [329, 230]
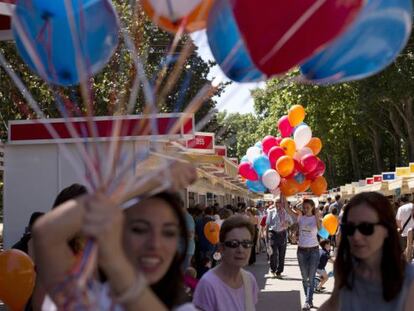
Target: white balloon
[173, 10]
[302, 152]
[271, 179]
[302, 136]
[252, 153]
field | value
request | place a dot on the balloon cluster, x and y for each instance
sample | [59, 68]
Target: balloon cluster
[330, 224]
[288, 163]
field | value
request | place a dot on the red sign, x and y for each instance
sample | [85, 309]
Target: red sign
[220, 151]
[234, 160]
[6, 11]
[370, 181]
[138, 126]
[201, 141]
[377, 178]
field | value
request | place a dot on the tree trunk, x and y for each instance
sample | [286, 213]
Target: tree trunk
[354, 159]
[376, 145]
[405, 109]
[402, 140]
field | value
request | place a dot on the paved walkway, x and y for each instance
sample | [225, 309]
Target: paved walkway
[286, 294]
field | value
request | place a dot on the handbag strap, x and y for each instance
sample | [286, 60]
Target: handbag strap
[406, 223]
[248, 291]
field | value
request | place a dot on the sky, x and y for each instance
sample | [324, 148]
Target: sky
[236, 96]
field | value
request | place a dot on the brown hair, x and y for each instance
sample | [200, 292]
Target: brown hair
[311, 203]
[392, 262]
[234, 222]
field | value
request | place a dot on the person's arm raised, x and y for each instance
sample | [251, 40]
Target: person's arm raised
[285, 205]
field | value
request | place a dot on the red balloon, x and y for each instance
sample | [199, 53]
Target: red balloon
[268, 142]
[309, 162]
[280, 35]
[278, 140]
[247, 171]
[318, 171]
[284, 127]
[298, 169]
[274, 154]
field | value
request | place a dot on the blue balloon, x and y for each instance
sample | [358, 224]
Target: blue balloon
[300, 178]
[255, 186]
[259, 145]
[227, 45]
[323, 233]
[244, 159]
[372, 42]
[46, 24]
[261, 164]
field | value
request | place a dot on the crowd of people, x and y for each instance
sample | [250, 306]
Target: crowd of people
[155, 254]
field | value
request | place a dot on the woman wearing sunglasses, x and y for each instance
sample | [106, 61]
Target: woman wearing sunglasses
[227, 286]
[370, 273]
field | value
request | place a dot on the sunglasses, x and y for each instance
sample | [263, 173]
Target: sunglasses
[236, 244]
[365, 228]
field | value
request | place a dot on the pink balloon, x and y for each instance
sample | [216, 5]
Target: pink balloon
[309, 162]
[284, 126]
[247, 171]
[278, 140]
[268, 142]
[274, 154]
[318, 171]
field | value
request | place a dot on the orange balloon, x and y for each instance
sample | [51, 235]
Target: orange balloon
[212, 232]
[285, 166]
[17, 278]
[319, 185]
[315, 144]
[330, 223]
[289, 146]
[196, 19]
[296, 115]
[289, 187]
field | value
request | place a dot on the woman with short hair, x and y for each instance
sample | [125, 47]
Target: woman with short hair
[370, 273]
[228, 286]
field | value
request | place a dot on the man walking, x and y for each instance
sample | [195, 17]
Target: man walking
[405, 219]
[277, 225]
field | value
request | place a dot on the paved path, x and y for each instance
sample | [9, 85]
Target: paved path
[286, 294]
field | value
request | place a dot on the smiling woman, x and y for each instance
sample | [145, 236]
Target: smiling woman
[228, 286]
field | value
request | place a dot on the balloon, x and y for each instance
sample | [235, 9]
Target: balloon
[246, 170]
[17, 278]
[274, 154]
[315, 144]
[280, 35]
[288, 187]
[244, 159]
[278, 140]
[309, 162]
[271, 179]
[227, 45]
[284, 126]
[319, 185]
[296, 115]
[259, 145]
[171, 14]
[261, 164]
[255, 186]
[212, 232]
[302, 136]
[323, 233]
[304, 186]
[372, 42]
[318, 171]
[302, 152]
[268, 142]
[252, 153]
[289, 146]
[330, 223]
[46, 26]
[285, 166]
[300, 178]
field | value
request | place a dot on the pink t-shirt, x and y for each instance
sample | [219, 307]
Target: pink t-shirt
[212, 294]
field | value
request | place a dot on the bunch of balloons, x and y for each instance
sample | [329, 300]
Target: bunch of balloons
[65, 42]
[333, 41]
[17, 278]
[288, 163]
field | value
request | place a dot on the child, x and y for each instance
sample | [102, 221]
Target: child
[324, 258]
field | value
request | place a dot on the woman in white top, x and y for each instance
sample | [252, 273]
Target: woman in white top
[308, 247]
[138, 252]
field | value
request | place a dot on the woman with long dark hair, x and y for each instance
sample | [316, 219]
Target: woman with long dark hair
[140, 253]
[370, 271]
